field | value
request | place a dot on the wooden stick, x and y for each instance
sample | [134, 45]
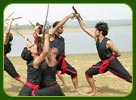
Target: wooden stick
[13, 18]
[16, 31]
[9, 16]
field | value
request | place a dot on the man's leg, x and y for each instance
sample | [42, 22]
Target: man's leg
[90, 80]
[61, 78]
[89, 76]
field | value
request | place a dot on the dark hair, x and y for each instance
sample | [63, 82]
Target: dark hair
[26, 55]
[102, 26]
[38, 24]
[55, 23]
[10, 37]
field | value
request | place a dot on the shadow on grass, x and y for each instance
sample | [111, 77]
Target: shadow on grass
[13, 88]
[66, 89]
[106, 89]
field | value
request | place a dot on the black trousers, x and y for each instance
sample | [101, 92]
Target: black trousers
[54, 90]
[25, 91]
[115, 67]
[69, 69]
[9, 68]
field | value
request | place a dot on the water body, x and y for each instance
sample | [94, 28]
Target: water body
[80, 42]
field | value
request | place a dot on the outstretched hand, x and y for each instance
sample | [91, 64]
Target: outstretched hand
[26, 39]
[77, 16]
[12, 19]
[72, 15]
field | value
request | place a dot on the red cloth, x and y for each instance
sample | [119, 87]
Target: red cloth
[63, 66]
[36, 37]
[33, 86]
[105, 64]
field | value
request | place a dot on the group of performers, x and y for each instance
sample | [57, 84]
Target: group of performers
[45, 58]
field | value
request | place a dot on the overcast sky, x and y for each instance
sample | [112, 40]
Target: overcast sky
[37, 12]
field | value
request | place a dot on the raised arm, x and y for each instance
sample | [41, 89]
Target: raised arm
[85, 28]
[7, 32]
[61, 23]
[29, 44]
[42, 56]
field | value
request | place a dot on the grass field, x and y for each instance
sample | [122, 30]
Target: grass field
[107, 83]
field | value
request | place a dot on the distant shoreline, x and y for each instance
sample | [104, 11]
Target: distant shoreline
[30, 31]
[96, 54]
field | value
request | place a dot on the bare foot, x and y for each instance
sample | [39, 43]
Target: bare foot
[79, 93]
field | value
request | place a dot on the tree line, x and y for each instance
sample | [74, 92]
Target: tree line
[74, 24]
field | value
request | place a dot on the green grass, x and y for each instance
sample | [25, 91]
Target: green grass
[107, 83]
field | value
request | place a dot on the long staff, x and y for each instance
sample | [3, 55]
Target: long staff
[9, 16]
[31, 24]
[14, 18]
[16, 30]
[45, 26]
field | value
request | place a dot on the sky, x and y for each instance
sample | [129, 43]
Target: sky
[37, 12]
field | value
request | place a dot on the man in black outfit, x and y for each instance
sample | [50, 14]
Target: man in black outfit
[108, 54]
[58, 42]
[8, 65]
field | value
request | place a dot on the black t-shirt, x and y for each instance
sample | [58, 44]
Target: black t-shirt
[48, 75]
[34, 74]
[58, 43]
[104, 53]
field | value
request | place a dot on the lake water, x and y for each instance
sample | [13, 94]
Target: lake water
[80, 42]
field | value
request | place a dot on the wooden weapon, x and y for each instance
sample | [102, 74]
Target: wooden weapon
[76, 12]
